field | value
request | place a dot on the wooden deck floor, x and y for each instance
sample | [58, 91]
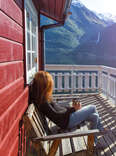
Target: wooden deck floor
[107, 113]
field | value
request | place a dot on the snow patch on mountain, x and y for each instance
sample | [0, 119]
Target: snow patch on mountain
[107, 16]
[77, 3]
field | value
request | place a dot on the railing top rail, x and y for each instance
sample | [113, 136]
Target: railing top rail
[55, 67]
[108, 69]
[64, 67]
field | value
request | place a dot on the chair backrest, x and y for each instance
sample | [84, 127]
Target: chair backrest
[35, 123]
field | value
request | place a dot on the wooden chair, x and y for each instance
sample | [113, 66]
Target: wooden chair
[38, 132]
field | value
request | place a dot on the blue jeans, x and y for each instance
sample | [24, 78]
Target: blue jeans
[87, 113]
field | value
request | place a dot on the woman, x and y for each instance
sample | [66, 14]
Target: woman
[64, 117]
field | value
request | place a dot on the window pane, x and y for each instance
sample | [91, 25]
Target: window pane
[31, 30]
[33, 27]
[28, 21]
[29, 61]
[33, 43]
[33, 61]
[28, 41]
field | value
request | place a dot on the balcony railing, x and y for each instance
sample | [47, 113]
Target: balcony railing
[84, 78]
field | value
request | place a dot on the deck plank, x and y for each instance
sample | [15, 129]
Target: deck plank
[107, 113]
[79, 144]
[66, 146]
[110, 123]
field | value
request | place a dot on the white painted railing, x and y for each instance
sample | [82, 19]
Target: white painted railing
[84, 78]
[108, 81]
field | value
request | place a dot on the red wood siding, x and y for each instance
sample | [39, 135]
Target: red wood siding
[14, 148]
[9, 72]
[10, 51]
[12, 117]
[10, 93]
[11, 114]
[13, 94]
[10, 8]
[19, 3]
[10, 29]
[9, 140]
[13, 132]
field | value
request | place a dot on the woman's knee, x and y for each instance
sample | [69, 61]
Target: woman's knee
[94, 117]
[93, 108]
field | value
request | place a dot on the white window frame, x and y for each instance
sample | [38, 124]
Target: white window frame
[33, 15]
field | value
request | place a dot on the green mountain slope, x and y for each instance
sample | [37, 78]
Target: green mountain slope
[61, 43]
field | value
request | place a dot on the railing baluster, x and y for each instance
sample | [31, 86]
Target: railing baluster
[80, 81]
[108, 86]
[106, 83]
[111, 89]
[74, 82]
[99, 80]
[66, 82]
[87, 81]
[59, 82]
[102, 84]
[93, 81]
[113, 86]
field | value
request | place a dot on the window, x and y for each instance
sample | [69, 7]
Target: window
[31, 39]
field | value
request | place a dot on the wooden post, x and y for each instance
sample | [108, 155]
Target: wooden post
[90, 144]
[39, 148]
[54, 147]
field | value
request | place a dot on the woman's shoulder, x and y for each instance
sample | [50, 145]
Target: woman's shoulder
[47, 103]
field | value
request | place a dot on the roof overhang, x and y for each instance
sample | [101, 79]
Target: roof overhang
[54, 9]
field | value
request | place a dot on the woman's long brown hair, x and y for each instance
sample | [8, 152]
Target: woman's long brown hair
[42, 88]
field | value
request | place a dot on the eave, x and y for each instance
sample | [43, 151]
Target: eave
[54, 9]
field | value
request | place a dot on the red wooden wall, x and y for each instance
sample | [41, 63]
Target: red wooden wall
[13, 95]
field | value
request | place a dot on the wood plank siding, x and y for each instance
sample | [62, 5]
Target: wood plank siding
[13, 90]
[12, 116]
[14, 70]
[13, 94]
[10, 29]
[12, 9]
[10, 50]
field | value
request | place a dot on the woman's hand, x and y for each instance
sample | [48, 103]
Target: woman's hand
[76, 104]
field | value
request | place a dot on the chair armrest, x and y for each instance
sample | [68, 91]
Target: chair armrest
[67, 135]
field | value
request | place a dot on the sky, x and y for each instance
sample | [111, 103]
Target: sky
[101, 6]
